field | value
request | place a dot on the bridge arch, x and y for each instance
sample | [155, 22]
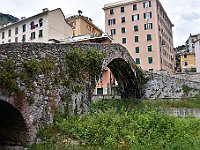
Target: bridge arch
[126, 78]
[13, 130]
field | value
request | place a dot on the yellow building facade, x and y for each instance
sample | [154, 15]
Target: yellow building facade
[82, 25]
[188, 61]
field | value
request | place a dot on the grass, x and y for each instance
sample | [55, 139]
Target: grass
[123, 125]
[181, 103]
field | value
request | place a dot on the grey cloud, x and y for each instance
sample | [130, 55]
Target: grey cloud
[190, 17]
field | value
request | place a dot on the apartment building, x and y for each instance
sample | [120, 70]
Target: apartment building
[144, 28]
[42, 27]
[188, 57]
[83, 25]
[188, 62]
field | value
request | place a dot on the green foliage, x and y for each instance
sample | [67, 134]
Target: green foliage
[79, 66]
[82, 63]
[121, 124]
[8, 75]
[32, 67]
[141, 75]
[47, 64]
[193, 69]
[183, 103]
[8, 81]
[186, 89]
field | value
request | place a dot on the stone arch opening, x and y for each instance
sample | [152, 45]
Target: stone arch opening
[126, 78]
[13, 130]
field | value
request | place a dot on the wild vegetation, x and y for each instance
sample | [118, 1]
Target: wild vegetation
[123, 124]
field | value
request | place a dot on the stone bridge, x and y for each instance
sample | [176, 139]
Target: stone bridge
[29, 102]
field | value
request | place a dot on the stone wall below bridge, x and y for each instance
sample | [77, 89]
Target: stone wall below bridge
[163, 86]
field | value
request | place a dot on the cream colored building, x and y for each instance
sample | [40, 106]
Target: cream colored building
[143, 27]
[42, 27]
[197, 54]
[83, 26]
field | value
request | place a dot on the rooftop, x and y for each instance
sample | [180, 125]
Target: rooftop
[122, 2]
[24, 19]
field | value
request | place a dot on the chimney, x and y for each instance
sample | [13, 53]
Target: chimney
[45, 9]
[22, 18]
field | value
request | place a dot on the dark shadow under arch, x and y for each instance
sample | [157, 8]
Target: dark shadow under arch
[13, 129]
[126, 78]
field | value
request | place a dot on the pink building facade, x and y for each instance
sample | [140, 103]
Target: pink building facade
[144, 28]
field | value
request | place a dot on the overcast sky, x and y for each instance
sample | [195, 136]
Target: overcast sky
[184, 14]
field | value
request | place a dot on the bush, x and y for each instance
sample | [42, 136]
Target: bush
[121, 126]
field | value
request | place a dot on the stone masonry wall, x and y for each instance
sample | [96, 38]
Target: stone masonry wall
[39, 105]
[161, 86]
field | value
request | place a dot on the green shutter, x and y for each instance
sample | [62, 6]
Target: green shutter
[134, 6]
[123, 40]
[150, 48]
[150, 60]
[135, 28]
[137, 50]
[99, 91]
[122, 9]
[149, 38]
[123, 29]
[137, 61]
[136, 39]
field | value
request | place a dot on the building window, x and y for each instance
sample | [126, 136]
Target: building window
[112, 31]
[40, 33]
[9, 33]
[148, 26]
[24, 38]
[151, 69]
[150, 60]
[123, 40]
[150, 48]
[123, 30]
[185, 55]
[136, 28]
[16, 39]
[32, 25]
[73, 24]
[149, 38]
[136, 38]
[123, 19]
[135, 17]
[137, 50]
[111, 22]
[24, 28]
[3, 35]
[147, 4]
[147, 15]
[137, 61]
[122, 9]
[186, 63]
[111, 11]
[41, 22]
[99, 91]
[74, 32]
[32, 35]
[134, 6]
[16, 30]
